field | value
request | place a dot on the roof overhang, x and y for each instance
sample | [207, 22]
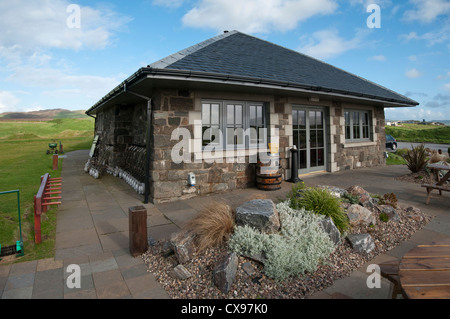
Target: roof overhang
[145, 80]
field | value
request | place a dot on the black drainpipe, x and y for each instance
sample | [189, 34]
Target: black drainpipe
[147, 158]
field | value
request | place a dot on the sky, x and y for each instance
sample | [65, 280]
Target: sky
[69, 54]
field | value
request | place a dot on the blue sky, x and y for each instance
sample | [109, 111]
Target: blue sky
[47, 62]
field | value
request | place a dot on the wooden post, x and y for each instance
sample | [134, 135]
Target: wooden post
[55, 162]
[137, 217]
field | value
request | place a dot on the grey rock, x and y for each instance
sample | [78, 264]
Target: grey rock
[248, 268]
[180, 272]
[362, 194]
[361, 243]
[224, 272]
[390, 212]
[330, 228]
[359, 215]
[334, 190]
[260, 214]
[183, 245]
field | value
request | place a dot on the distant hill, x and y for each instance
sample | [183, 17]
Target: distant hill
[43, 115]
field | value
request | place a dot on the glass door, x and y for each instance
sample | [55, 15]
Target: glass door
[308, 127]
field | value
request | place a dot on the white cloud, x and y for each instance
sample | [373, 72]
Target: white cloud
[28, 26]
[255, 16]
[380, 58]
[427, 11]
[168, 3]
[8, 101]
[447, 87]
[413, 73]
[327, 44]
[438, 36]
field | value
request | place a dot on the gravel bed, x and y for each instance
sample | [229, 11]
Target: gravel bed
[386, 235]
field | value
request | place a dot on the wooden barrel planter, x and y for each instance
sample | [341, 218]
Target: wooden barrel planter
[268, 177]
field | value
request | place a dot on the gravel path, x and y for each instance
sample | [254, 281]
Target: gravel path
[254, 284]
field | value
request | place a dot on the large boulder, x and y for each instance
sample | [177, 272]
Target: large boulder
[359, 215]
[225, 272]
[260, 214]
[361, 243]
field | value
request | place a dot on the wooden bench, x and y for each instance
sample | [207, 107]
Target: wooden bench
[440, 184]
[389, 271]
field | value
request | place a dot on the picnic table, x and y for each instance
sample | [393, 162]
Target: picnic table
[424, 271]
[440, 183]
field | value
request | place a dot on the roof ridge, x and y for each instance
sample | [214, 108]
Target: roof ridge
[165, 62]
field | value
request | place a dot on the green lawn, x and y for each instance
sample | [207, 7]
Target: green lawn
[23, 160]
[420, 133]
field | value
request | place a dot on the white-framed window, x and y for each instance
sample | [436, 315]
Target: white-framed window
[234, 124]
[358, 125]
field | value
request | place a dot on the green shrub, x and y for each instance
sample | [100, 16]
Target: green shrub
[349, 198]
[299, 247]
[416, 158]
[295, 194]
[322, 202]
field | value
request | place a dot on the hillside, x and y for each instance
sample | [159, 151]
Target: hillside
[420, 133]
[43, 115]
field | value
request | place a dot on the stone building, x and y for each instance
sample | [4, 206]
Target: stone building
[212, 109]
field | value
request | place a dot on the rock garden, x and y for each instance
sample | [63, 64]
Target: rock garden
[288, 249]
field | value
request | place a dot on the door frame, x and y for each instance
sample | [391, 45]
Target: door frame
[324, 110]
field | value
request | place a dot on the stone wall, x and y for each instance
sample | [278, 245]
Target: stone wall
[176, 121]
[172, 110]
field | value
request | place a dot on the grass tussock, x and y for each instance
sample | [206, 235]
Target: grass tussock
[213, 225]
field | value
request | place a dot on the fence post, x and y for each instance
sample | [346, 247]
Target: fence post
[55, 162]
[137, 216]
[37, 219]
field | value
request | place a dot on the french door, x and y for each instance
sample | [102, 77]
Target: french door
[308, 125]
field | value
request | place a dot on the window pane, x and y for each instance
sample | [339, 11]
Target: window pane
[206, 114]
[252, 115]
[302, 119]
[238, 115]
[356, 133]
[259, 116]
[319, 120]
[215, 114]
[230, 115]
[302, 159]
[302, 137]
[320, 141]
[295, 117]
[312, 119]
[313, 138]
[313, 158]
[320, 157]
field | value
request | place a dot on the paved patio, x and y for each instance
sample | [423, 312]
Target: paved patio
[92, 231]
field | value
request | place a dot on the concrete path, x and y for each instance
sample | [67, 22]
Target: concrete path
[92, 232]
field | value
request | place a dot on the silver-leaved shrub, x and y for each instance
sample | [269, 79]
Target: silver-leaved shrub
[299, 246]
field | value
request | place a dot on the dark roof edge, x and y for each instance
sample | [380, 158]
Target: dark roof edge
[235, 79]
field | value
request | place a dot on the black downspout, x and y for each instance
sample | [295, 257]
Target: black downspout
[147, 161]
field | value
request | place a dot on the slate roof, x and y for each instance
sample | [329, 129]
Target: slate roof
[236, 53]
[240, 59]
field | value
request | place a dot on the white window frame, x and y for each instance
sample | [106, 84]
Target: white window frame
[245, 125]
[359, 126]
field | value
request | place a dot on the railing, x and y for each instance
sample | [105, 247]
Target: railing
[43, 199]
